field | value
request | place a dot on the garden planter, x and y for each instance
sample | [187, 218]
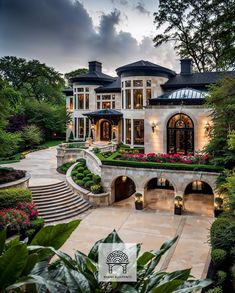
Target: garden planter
[178, 210]
[217, 212]
[139, 205]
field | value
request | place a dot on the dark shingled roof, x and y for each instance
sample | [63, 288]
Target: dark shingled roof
[110, 88]
[143, 65]
[68, 92]
[195, 80]
[93, 76]
[104, 113]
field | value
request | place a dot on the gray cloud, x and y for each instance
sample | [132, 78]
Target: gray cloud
[122, 2]
[141, 8]
[62, 34]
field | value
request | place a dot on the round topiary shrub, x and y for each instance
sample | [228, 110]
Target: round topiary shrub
[96, 179]
[90, 176]
[85, 179]
[74, 172]
[96, 188]
[218, 256]
[215, 290]
[86, 172]
[80, 169]
[80, 182]
[221, 278]
[79, 176]
[88, 184]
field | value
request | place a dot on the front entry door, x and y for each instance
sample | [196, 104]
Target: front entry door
[105, 131]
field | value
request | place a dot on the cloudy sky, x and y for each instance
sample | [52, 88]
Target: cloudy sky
[66, 34]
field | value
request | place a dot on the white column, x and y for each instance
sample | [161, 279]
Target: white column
[132, 132]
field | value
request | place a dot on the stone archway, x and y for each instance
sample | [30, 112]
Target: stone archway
[199, 198]
[159, 194]
[123, 188]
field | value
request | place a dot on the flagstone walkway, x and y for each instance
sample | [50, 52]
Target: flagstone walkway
[151, 229]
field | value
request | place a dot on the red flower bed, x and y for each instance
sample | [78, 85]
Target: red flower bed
[14, 219]
[166, 158]
[29, 209]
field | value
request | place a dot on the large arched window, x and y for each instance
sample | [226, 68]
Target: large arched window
[180, 135]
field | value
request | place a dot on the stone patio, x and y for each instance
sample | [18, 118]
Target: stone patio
[151, 229]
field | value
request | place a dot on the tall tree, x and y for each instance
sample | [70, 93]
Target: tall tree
[221, 100]
[32, 78]
[76, 72]
[203, 30]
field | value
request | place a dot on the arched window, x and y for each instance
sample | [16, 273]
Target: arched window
[180, 135]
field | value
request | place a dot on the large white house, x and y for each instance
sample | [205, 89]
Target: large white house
[146, 105]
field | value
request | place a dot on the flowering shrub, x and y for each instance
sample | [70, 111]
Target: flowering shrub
[14, 219]
[29, 209]
[166, 158]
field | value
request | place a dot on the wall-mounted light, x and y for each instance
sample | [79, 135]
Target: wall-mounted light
[92, 126]
[124, 178]
[154, 125]
[207, 128]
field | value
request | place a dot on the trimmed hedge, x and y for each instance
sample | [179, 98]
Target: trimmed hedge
[9, 198]
[80, 169]
[79, 176]
[88, 184]
[86, 172]
[170, 166]
[218, 256]
[97, 188]
[96, 179]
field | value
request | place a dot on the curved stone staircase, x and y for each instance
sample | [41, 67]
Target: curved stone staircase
[57, 202]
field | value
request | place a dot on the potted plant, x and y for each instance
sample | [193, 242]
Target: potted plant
[218, 206]
[178, 205]
[139, 204]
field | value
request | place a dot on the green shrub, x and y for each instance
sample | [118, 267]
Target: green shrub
[31, 136]
[74, 172]
[79, 176]
[80, 182]
[218, 256]
[86, 172]
[90, 175]
[85, 179]
[97, 188]
[9, 143]
[82, 162]
[215, 290]
[38, 224]
[96, 179]
[221, 278]
[9, 198]
[80, 169]
[71, 136]
[88, 184]
[222, 233]
[96, 150]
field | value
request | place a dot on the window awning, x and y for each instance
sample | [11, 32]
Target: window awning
[111, 115]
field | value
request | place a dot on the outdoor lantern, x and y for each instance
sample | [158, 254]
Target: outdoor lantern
[207, 128]
[124, 179]
[154, 125]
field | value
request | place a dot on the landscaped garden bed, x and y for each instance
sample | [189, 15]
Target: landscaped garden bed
[18, 214]
[83, 177]
[64, 168]
[10, 175]
[158, 161]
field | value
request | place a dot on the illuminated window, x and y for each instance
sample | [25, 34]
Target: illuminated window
[98, 97]
[148, 95]
[106, 105]
[138, 98]
[70, 104]
[128, 99]
[87, 101]
[80, 127]
[80, 99]
[128, 131]
[139, 131]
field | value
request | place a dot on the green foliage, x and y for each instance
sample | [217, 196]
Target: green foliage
[96, 188]
[229, 187]
[74, 73]
[221, 100]
[79, 176]
[218, 256]
[80, 182]
[221, 278]
[71, 136]
[88, 184]
[222, 233]
[85, 179]
[96, 150]
[201, 30]
[86, 172]
[64, 168]
[9, 143]
[96, 179]
[80, 169]
[31, 136]
[82, 162]
[9, 198]
[215, 290]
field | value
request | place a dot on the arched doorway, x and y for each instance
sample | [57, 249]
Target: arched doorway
[105, 130]
[124, 187]
[159, 195]
[180, 135]
[199, 199]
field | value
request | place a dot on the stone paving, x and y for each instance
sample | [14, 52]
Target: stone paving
[151, 229]
[42, 167]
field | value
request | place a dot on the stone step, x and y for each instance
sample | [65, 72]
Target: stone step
[58, 202]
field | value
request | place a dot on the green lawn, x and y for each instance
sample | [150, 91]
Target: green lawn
[51, 143]
[14, 159]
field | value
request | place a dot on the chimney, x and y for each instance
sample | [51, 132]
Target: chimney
[186, 66]
[95, 66]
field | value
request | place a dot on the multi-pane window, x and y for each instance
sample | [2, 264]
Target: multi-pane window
[105, 101]
[148, 95]
[80, 98]
[87, 127]
[70, 104]
[128, 99]
[128, 83]
[137, 83]
[139, 131]
[80, 89]
[128, 131]
[148, 83]
[80, 128]
[87, 102]
[138, 98]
